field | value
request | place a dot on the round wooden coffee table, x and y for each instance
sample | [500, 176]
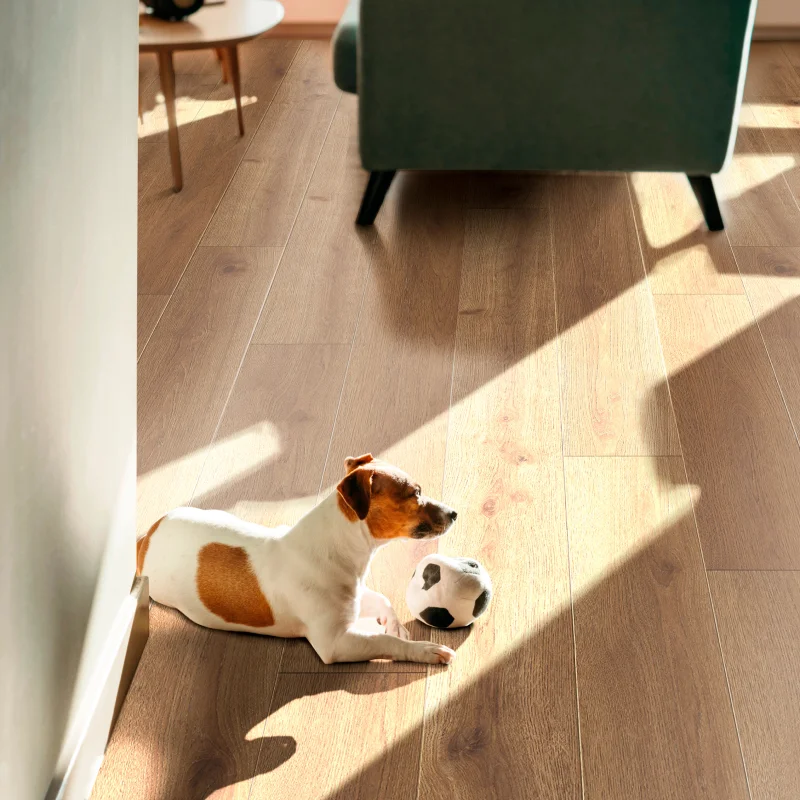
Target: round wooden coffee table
[218, 25]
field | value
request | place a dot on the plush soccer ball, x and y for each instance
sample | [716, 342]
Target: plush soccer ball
[448, 592]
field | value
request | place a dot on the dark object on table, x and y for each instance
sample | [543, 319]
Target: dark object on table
[173, 9]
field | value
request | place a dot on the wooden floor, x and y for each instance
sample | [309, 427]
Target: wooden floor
[607, 393]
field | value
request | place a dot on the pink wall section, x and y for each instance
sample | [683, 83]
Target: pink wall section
[316, 12]
[306, 12]
[775, 12]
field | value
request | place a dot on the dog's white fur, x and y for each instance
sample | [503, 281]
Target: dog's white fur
[311, 575]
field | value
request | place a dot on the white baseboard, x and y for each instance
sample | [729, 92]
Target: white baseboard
[302, 30]
[98, 713]
[767, 33]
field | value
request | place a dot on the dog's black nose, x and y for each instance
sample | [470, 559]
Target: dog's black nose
[453, 515]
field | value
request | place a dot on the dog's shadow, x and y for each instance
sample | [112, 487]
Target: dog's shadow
[194, 717]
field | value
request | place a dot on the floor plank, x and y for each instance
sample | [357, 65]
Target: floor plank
[654, 705]
[197, 62]
[506, 190]
[452, 376]
[770, 74]
[355, 736]
[758, 614]
[191, 92]
[772, 279]
[154, 168]
[260, 205]
[191, 725]
[610, 356]
[501, 720]
[681, 255]
[398, 386]
[186, 373]
[170, 224]
[319, 288]
[266, 462]
[792, 51]
[148, 69]
[780, 124]
[738, 442]
[149, 308]
[397, 391]
[757, 205]
[186, 62]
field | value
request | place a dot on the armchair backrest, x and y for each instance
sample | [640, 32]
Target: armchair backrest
[551, 84]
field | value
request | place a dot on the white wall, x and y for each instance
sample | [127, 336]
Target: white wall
[67, 363]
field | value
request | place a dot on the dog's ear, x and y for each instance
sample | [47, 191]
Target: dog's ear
[354, 463]
[356, 491]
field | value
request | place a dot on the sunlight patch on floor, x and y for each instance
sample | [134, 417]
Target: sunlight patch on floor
[768, 293]
[776, 115]
[154, 122]
[706, 322]
[238, 455]
[226, 460]
[748, 172]
[668, 210]
[323, 718]
[660, 498]
[617, 511]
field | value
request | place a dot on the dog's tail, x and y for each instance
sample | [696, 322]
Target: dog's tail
[142, 545]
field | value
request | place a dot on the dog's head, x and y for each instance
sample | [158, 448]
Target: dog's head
[390, 502]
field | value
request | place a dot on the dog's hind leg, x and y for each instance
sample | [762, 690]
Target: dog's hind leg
[377, 606]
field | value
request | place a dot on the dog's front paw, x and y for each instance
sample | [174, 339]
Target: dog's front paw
[430, 653]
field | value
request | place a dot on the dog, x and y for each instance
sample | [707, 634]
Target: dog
[306, 580]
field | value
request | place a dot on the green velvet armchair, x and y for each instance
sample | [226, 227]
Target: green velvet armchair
[622, 85]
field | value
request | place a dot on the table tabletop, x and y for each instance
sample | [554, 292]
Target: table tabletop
[214, 25]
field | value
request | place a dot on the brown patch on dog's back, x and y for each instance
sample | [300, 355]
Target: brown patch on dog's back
[143, 544]
[228, 587]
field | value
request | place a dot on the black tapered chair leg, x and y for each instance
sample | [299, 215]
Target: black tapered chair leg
[378, 185]
[703, 190]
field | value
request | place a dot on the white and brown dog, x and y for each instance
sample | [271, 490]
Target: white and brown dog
[307, 580]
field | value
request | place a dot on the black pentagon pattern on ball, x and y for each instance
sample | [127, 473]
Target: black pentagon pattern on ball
[481, 602]
[437, 617]
[431, 574]
[469, 566]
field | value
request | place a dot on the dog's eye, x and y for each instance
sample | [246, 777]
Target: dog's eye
[417, 492]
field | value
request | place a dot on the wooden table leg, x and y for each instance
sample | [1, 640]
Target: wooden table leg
[233, 68]
[167, 74]
[223, 64]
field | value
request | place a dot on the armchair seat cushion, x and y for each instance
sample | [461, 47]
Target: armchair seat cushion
[345, 39]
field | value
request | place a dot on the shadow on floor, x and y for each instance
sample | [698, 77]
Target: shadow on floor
[193, 720]
[740, 449]
[654, 703]
[415, 272]
[649, 672]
